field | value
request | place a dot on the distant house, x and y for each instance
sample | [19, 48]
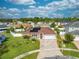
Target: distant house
[32, 23]
[19, 28]
[42, 24]
[40, 33]
[3, 27]
[22, 27]
[2, 38]
[73, 28]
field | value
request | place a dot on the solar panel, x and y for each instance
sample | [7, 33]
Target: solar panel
[36, 29]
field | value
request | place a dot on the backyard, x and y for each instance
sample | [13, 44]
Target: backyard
[17, 46]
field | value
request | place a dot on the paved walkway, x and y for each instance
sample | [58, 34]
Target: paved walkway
[34, 51]
[50, 45]
[48, 48]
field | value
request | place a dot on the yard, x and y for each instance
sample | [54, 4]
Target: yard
[17, 46]
[32, 56]
[70, 46]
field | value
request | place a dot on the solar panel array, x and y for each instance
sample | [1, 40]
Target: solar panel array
[36, 29]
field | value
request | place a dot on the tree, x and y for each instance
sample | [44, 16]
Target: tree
[57, 30]
[53, 25]
[68, 38]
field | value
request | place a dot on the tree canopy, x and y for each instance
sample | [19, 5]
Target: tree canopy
[39, 19]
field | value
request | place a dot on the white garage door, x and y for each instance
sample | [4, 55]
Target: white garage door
[49, 37]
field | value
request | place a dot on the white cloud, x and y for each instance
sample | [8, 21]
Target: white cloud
[56, 15]
[11, 12]
[32, 6]
[64, 4]
[75, 14]
[25, 2]
[14, 10]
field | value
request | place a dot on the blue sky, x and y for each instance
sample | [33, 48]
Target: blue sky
[39, 8]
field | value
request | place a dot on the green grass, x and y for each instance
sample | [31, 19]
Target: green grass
[32, 56]
[70, 53]
[17, 46]
[70, 45]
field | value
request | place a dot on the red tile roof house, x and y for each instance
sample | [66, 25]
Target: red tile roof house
[18, 30]
[41, 33]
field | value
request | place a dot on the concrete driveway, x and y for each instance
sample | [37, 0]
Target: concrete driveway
[50, 45]
[77, 44]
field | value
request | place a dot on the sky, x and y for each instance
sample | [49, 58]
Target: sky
[39, 8]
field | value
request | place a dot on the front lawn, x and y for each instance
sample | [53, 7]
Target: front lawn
[68, 45]
[70, 53]
[32, 56]
[17, 46]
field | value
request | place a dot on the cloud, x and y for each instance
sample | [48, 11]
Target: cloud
[49, 10]
[9, 13]
[75, 14]
[25, 2]
[56, 15]
[14, 10]
[64, 4]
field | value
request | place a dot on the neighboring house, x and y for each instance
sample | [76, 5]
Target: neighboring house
[2, 38]
[19, 22]
[73, 28]
[3, 28]
[41, 33]
[32, 23]
[62, 23]
[24, 25]
[19, 28]
[42, 24]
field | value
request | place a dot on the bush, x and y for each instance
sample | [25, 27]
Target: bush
[26, 37]
[33, 39]
[68, 38]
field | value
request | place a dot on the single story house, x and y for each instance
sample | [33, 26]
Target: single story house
[19, 28]
[24, 25]
[73, 28]
[41, 33]
[3, 28]
[43, 24]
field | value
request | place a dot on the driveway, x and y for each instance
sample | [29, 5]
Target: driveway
[51, 45]
[77, 44]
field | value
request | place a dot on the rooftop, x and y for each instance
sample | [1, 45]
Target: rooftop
[41, 30]
[24, 25]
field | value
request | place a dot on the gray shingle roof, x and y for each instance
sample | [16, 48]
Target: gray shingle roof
[76, 32]
[72, 24]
